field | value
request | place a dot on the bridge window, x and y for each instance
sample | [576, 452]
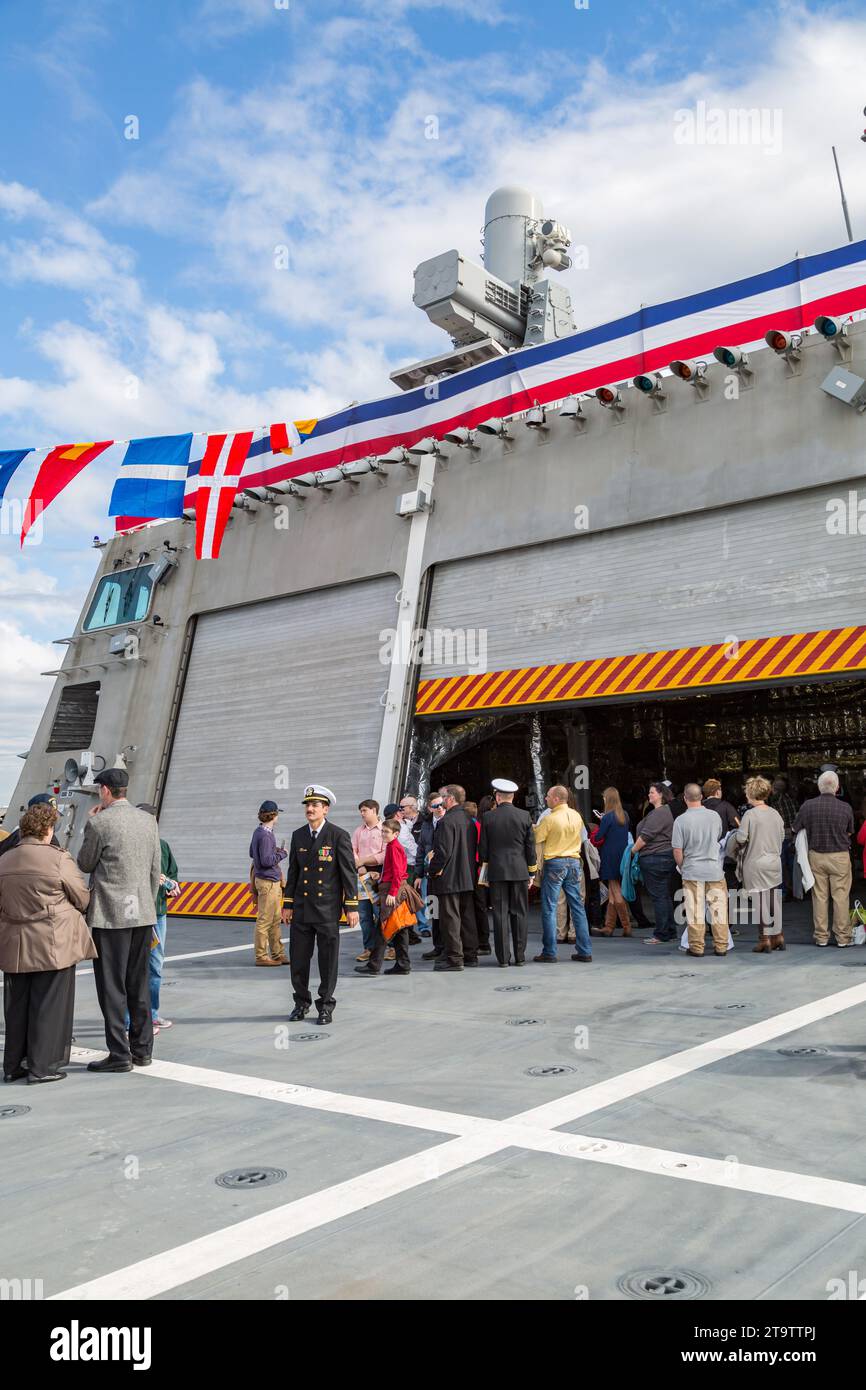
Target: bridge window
[122, 597]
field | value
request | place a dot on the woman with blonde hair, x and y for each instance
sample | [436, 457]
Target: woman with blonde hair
[758, 845]
[611, 841]
[43, 936]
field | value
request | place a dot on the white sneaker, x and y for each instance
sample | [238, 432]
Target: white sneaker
[162, 1023]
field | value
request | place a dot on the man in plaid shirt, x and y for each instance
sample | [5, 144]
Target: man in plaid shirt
[829, 825]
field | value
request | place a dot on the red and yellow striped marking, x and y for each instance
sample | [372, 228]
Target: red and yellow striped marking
[791, 658]
[199, 899]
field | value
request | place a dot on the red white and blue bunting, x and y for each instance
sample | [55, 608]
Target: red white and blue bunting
[163, 476]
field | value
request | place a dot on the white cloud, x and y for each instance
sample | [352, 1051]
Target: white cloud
[17, 583]
[18, 201]
[223, 19]
[23, 693]
[219, 19]
[358, 207]
[357, 210]
[70, 253]
[63, 56]
[147, 199]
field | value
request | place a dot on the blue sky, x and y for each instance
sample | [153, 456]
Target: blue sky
[140, 293]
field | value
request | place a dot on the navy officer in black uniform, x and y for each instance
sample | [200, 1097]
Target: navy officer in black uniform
[508, 849]
[321, 881]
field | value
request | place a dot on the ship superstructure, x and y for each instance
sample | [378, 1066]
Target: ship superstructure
[665, 576]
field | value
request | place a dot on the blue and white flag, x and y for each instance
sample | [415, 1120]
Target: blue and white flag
[152, 477]
[9, 461]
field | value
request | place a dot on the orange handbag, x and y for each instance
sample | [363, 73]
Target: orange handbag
[401, 917]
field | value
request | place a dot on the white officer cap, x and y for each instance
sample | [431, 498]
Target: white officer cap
[502, 784]
[319, 793]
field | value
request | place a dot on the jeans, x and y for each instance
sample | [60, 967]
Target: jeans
[369, 919]
[157, 956]
[563, 875]
[656, 871]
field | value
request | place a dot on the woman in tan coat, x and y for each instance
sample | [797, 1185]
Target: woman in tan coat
[43, 936]
[758, 843]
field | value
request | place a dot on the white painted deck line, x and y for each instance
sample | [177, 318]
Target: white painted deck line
[215, 951]
[632, 1083]
[531, 1129]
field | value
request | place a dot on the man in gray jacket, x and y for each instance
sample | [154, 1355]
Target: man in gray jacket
[121, 852]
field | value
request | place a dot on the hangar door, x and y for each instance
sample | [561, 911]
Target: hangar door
[754, 570]
[285, 690]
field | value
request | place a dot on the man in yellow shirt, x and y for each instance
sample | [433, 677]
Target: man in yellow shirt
[559, 835]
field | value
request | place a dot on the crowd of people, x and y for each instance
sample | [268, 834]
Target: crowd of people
[703, 864]
[435, 875]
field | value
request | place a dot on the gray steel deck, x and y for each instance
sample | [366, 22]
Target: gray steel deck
[403, 1179]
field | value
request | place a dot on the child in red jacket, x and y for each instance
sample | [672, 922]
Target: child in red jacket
[394, 874]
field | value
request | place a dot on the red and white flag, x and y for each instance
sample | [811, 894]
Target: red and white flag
[58, 468]
[221, 468]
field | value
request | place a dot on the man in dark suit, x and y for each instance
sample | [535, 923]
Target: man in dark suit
[452, 880]
[321, 881]
[508, 850]
[436, 807]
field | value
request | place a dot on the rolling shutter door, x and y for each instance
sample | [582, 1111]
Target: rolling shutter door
[756, 570]
[291, 683]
